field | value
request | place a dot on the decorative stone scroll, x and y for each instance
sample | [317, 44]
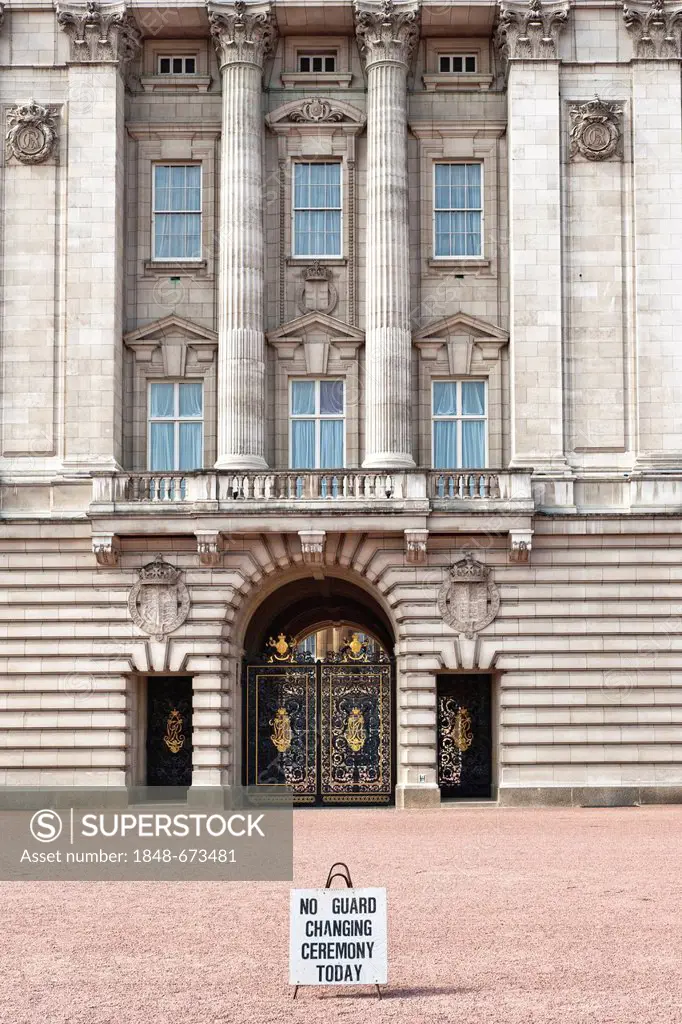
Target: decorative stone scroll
[469, 600]
[386, 31]
[316, 110]
[210, 547]
[596, 130]
[159, 602]
[530, 31]
[312, 546]
[242, 34]
[656, 29]
[106, 548]
[99, 32]
[416, 544]
[31, 133]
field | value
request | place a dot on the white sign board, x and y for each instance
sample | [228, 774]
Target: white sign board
[338, 937]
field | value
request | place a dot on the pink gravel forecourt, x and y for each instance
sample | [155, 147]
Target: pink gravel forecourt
[508, 916]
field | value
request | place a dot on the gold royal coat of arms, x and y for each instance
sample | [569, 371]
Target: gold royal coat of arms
[159, 601]
[469, 600]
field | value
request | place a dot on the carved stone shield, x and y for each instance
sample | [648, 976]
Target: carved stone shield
[468, 600]
[159, 601]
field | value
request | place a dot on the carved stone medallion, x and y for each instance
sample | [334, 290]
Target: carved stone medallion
[317, 292]
[596, 132]
[31, 133]
[317, 111]
[469, 600]
[159, 601]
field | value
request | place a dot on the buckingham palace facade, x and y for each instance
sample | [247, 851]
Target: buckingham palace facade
[340, 398]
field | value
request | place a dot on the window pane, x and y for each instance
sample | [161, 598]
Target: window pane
[191, 455]
[303, 397]
[331, 444]
[473, 444]
[161, 400]
[445, 398]
[473, 398]
[445, 444]
[177, 236]
[303, 444]
[331, 397]
[191, 399]
[470, 64]
[445, 64]
[161, 455]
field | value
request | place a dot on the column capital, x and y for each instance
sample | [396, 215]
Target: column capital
[656, 29]
[2, 14]
[530, 30]
[242, 33]
[386, 31]
[99, 32]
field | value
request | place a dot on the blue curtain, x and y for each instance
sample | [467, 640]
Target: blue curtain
[191, 446]
[445, 398]
[161, 454]
[317, 205]
[445, 444]
[191, 399]
[177, 217]
[303, 398]
[473, 444]
[331, 444]
[331, 397]
[473, 398]
[161, 400]
[303, 444]
[457, 205]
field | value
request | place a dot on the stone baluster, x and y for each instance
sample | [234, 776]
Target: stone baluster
[244, 37]
[387, 35]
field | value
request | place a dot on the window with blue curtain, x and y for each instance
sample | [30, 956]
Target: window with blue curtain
[458, 210]
[177, 212]
[317, 209]
[176, 427]
[317, 419]
[460, 424]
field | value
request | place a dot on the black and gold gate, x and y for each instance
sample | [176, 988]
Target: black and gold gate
[464, 735]
[323, 728]
[169, 731]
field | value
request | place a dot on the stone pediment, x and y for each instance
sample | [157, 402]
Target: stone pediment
[461, 333]
[174, 335]
[316, 112]
[316, 332]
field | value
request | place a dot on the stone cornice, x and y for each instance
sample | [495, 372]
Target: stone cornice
[656, 29]
[242, 33]
[99, 32]
[387, 32]
[531, 30]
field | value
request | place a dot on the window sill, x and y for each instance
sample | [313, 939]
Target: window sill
[316, 79]
[457, 82]
[175, 83]
[326, 261]
[463, 263]
[175, 268]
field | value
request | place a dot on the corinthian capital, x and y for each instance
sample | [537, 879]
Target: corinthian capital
[530, 31]
[242, 33]
[99, 32]
[656, 29]
[386, 31]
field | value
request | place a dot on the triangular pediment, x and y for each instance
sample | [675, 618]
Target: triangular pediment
[462, 323]
[171, 326]
[314, 323]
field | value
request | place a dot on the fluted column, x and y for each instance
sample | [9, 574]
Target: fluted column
[244, 36]
[387, 35]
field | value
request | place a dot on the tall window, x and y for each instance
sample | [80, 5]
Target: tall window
[317, 209]
[177, 212]
[459, 424]
[458, 210]
[176, 427]
[317, 424]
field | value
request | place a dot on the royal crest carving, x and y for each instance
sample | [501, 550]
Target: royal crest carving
[317, 293]
[596, 130]
[242, 33]
[316, 111]
[159, 601]
[386, 31]
[31, 133]
[530, 31]
[469, 600]
[99, 32]
[656, 29]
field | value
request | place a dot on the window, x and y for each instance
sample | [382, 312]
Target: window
[177, 65]
[317, 424]
[457, 63]
[176, 427]
[458, 210]
[317, 62]
[459, 424]
[177, 212]
[317, 209]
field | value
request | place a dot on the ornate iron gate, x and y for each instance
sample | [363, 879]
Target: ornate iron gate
[323, 728]
[169, 731]
[464, 736]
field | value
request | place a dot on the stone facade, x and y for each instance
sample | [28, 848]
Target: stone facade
[567, 312]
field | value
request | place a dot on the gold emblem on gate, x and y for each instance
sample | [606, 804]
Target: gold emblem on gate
[461, 733]
[174, 739]
[281, 730]
[355, 733]
[283, 649]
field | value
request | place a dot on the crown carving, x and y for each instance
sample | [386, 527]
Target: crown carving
[316, 272]
[159, 571]
[469, 570]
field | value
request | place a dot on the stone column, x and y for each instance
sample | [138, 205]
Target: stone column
[244, 37]
[656, 31]
[103, 39]
[527, 41]
[387, 36]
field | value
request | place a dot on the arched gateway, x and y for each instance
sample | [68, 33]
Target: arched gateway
[318, 695]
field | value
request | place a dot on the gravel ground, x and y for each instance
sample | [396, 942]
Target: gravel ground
[506, 916]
